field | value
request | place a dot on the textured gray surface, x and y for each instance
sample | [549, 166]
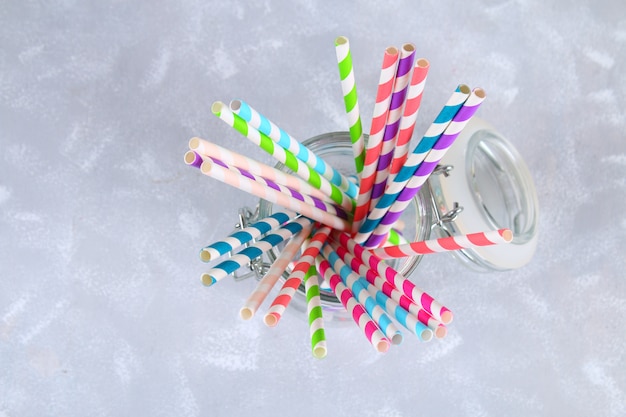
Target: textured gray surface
[101, 308]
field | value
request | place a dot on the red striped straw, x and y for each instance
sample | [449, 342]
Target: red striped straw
[411, 108]
[445, 244]
[420, 297]
[400, 86]
[372, 151]
[356, 310]
[289, 288]
[438, 328]
[276, 270]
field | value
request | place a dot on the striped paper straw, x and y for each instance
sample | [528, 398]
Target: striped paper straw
[372, 277]
[265, 284]
[401, 315]
[204, 147]
[399, 181]
[409, 115]
[351, 280]
[283, 156]
[272, 195]
[377, 129]
[307, 199]
[403, 72]
[243, 236]
[348, 86]
[420, 297]
[427, 166]
[396, 238]
[289, 288]
[356, 310]
[444, 244]
[253, 251]
[282, 138]
[314, 311]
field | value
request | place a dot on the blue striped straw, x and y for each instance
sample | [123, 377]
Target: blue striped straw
[243, 236]
[283, 139]
[351, 280]
[253, 251]
[440, 148]
[399, 181]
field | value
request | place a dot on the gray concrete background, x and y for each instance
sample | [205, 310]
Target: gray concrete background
[101, 309]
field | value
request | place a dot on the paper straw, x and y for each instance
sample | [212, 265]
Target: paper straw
[307, 199]
[253, 251]
[427, 166]
[351, 280]
[396, 238]
[348, 86]
[403, 72]
[283, 156]
[314, 312]
[272, 195]
[420, 297]
[243, 236]
[409, 115]
[276, 270]
[399, 181]
[290, 286]
[282, 138]
[444, 244]
[377, 129]
[356, 310]
[204, 147]
[372, 277]
[401, 315]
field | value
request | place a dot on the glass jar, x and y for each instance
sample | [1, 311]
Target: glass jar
[481, 184]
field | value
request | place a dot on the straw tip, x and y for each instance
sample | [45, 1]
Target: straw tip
[194, 143]
[270, 319]
[383, 346]
[246, 313]
[206, 166]
[397, 339]
[205, 255]
[341, 40]
[208, 280]
[446, 317]
[319, 352]
[507, 235]
[441, 332]
[426, 335]
[235, 105]
[216, 107]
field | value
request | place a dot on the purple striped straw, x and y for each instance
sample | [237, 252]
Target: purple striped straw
[426, 167]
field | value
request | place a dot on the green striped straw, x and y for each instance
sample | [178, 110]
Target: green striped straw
[283, 156]
[314, 310]
[348, 86]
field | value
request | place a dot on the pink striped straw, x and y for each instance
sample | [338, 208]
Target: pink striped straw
[371, 276]
[289, 288]
[377, 129]
[276, 270]
[206, 148]
[403, 72]
[444, 244]
[356, 310]
[272, 195]
[420, 297]
[411, 108]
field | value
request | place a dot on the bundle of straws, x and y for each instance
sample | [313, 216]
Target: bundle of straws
[335, 230]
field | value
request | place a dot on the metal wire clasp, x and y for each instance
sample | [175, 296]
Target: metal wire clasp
[256, 267]
[452, 214]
